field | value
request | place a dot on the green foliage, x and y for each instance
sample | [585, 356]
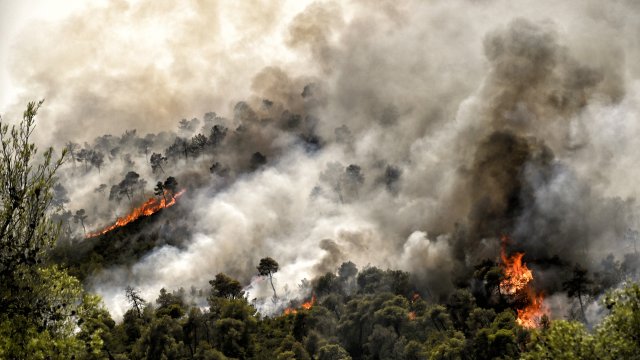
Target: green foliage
[226, 287]
[563, 340]
[368, 326]
[328, 284]
[74, 325]
[333, 352]
[460, 305]
[449, 348]
[162, 338]
[292, 349]
[170, 305]
[618, 336]
[414, 350]
[45, 313]
[393, 314]
[25, 231]
[373, 280]
[235, 328]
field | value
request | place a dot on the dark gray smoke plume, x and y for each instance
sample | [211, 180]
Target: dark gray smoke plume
[402, 134]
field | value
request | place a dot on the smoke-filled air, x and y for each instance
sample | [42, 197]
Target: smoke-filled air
[315, 156]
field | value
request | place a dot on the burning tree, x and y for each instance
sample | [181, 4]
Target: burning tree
[148, 208]
[516, 284]
[171, 185]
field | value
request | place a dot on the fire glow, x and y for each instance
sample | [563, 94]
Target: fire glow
[150, 207]
[516, 283]
[516, 274]
[531, 316]
[306, 306]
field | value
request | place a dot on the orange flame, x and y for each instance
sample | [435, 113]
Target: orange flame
[411, 315]
[150, 207]
[531, 316]
[309, 304]
[517, 278]
[516, 274]
[289, 311]
[306, 306]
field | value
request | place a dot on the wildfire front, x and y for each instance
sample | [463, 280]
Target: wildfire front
[516, 284]
[150, 207]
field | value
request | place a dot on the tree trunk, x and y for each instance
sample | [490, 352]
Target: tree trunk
[195, 338]
[273, 287]
[584, 317]
[206, 329]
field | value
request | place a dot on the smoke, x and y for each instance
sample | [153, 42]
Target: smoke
[350, 131]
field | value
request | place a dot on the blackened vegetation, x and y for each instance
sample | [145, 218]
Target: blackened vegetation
[227, 148]
[123, 245]
[210, 153]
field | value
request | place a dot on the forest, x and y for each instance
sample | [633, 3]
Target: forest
[348, 313]
[317, 179]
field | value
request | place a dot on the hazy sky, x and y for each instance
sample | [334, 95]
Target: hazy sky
[185, 57]
[17, 16]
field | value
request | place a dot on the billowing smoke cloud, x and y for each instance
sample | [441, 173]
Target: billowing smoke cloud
[403, 134]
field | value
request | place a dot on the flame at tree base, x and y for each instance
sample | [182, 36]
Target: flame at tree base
[531, 316]
[150, 207]
[306, 306]
[516, 282]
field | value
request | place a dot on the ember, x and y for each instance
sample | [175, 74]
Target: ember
[150, 207]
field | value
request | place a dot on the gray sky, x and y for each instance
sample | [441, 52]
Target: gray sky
[17, 16]
[187, 57]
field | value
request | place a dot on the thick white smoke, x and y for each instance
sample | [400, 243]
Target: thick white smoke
[449, 109]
